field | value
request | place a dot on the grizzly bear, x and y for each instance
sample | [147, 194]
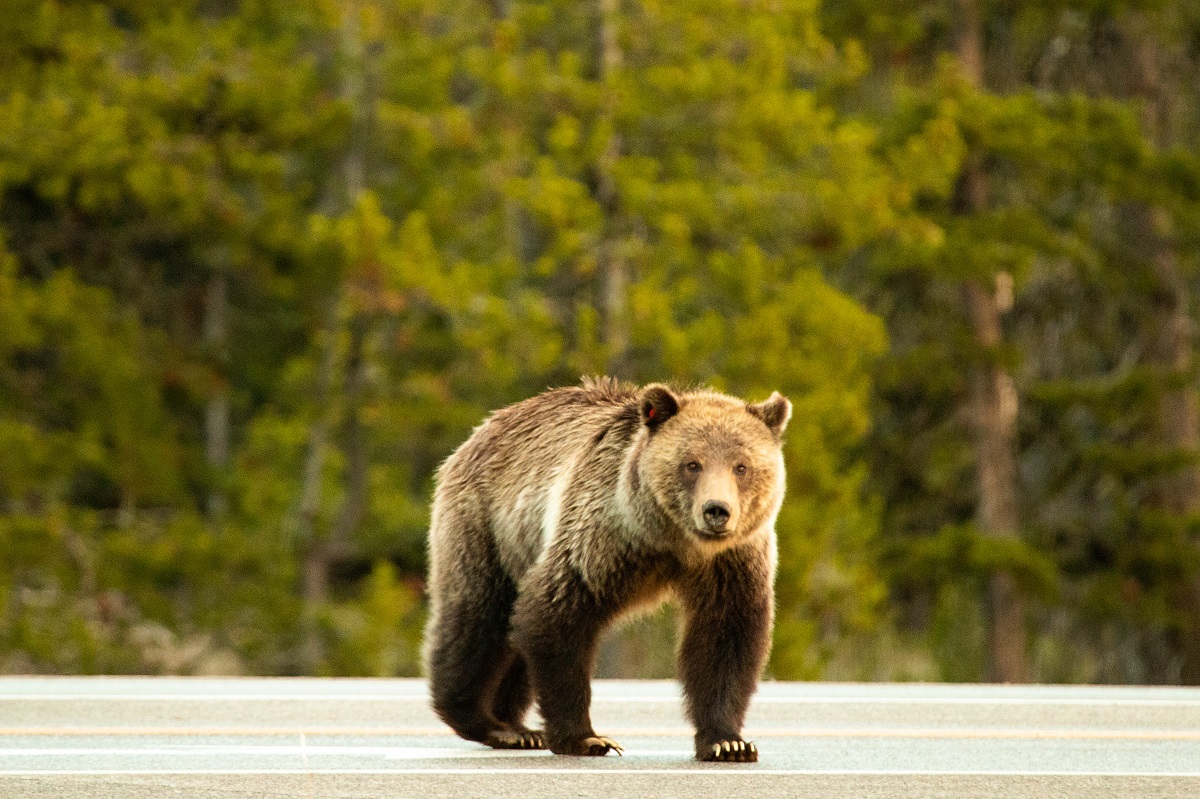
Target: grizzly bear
[564, 512]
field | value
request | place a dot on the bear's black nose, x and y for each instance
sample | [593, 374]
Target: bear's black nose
[716, 515]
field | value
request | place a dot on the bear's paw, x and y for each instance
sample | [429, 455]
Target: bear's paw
[516, 739]
[593, 746]
[735, 751]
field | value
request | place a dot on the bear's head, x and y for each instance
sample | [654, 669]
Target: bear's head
[713, 463]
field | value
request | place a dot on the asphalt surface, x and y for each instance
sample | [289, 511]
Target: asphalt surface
[163, 737]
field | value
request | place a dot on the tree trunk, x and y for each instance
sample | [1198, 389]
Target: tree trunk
[216, 410]
[1177, 415]
[319, 549]
[992, 407]
[358, 88]
[1177, 422]
[357, 498]
[993, 416]
[314, 576]
[613, 269]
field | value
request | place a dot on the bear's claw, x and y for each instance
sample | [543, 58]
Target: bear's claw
[732, 752]
[598, 746]
[592, 746]
[512, 739]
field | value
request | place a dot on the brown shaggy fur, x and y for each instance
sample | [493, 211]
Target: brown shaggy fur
[564, 512]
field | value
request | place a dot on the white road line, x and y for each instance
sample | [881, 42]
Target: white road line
[758, 731]
[209, 697]
[632, 700]
[304, 749]
[743, 770]
[1013, 733]
[308, 751]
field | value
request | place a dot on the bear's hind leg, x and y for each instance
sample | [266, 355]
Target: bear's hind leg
[513, 697]
[467, 654]
[466, 658]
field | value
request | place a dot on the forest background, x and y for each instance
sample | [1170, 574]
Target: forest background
[264, 264]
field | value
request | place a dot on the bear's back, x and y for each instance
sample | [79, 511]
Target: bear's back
[516, 467]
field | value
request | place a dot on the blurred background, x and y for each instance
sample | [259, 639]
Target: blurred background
[264, 264]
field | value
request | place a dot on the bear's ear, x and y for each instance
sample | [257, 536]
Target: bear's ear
[657, 404]
[775, 411]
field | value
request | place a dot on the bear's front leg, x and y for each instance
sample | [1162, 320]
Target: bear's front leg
[556, 624]
[729, 610]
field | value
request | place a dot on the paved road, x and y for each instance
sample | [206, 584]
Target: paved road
[150, 737]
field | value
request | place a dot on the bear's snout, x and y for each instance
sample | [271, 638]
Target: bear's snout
[715, 503]
[716, 516]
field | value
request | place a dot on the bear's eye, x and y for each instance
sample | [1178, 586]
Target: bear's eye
[693, 466]
[740, 469]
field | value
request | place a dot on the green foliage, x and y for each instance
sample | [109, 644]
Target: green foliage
[264, 265]
[962, 555]
[377, 635]
[86, 595]
[1072, 156]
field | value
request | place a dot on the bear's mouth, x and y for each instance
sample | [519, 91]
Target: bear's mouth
[711, 535]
